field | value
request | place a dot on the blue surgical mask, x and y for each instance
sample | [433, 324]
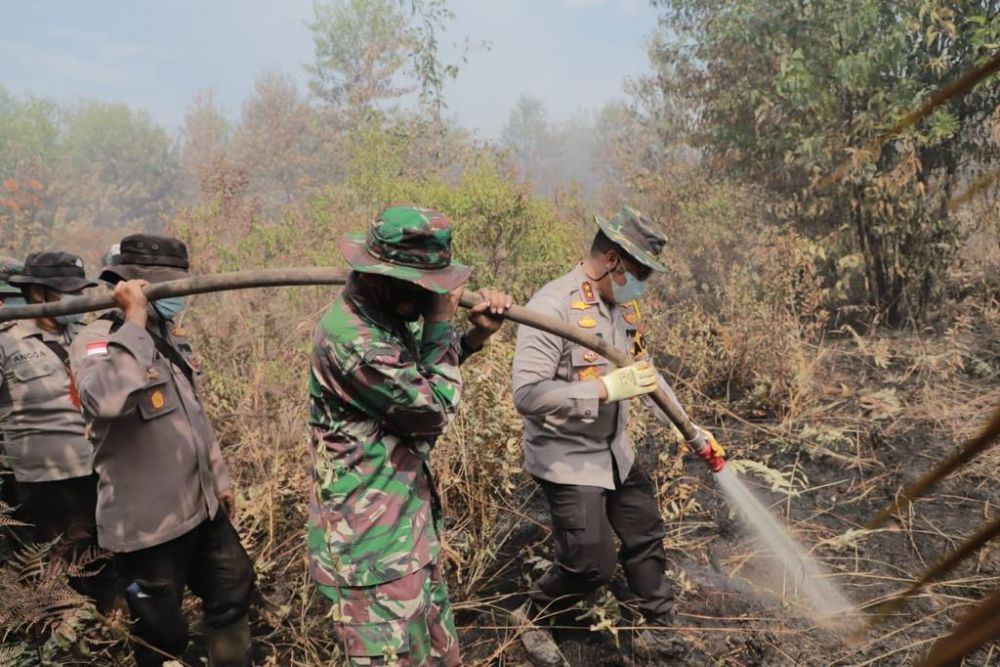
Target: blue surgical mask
[632, 290]
[168, 308]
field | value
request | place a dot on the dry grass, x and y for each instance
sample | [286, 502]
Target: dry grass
[833, 419]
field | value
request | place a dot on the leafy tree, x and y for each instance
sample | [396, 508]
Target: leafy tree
[428, 19]
[280, 141]
[360, 48]
[531, 141]
[783, 92]
[117, 168]
[29, 132]
[204, 139]
[29, 136]
[372, 52]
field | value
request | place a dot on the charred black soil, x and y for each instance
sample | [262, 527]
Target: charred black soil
[837, 484]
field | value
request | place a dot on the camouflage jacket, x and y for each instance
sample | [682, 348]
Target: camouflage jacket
[381, 391]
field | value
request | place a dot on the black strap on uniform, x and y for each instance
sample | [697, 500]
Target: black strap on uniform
[162, 346]
[59, 351]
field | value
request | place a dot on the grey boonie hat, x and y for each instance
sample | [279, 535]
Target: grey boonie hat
[147, 257]
[59, 270]
[637, 235]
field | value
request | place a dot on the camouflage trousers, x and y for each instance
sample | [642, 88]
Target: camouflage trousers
[406, 622]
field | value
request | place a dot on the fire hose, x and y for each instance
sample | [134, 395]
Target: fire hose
[329, 276]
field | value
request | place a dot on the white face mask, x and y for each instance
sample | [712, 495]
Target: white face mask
[632, 290]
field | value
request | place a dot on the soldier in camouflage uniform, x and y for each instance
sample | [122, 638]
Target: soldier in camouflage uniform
[382, 388]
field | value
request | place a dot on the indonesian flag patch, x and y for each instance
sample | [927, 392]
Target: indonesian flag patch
[95, 349]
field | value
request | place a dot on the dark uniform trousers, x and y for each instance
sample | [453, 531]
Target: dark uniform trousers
[64, 511]
[210, 561]
[585, 520]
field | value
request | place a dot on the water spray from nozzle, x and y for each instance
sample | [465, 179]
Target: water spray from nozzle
[710, 451]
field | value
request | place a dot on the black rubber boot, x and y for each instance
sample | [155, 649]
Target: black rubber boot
[659, 642]
[229, 646]
[538, 643]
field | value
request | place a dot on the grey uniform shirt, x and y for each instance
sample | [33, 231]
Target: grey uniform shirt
[159, 463]
[43, 430]
[570, 436]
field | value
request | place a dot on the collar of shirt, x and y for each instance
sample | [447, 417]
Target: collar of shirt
[607, 310]
[28, 328]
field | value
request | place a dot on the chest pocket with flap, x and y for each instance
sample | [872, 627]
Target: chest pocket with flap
[157, 399]
[30, 370]
[32, 380]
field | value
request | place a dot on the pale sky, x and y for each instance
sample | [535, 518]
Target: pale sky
[573, 54]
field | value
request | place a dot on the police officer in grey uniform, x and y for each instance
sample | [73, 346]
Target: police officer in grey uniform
[43, 429]
[575, 409]
[9, 295]
[165, 499]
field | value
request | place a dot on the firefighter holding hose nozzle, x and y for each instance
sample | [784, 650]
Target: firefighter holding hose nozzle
[574, 403]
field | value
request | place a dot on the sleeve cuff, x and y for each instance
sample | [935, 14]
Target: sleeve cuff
[587, 397]
[136, 342]
[437, 332]
[465, 349]
[223, 482]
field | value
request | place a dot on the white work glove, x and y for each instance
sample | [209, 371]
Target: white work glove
[633, 380]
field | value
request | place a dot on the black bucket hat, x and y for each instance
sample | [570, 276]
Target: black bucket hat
[59, 270]
[147, 257]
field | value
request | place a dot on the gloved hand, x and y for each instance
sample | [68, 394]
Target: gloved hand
[633, 380]
[717, 449]
[708, 449]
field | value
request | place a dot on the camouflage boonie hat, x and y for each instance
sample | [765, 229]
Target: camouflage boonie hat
[9, 267]
[637, 235]
[412, 244]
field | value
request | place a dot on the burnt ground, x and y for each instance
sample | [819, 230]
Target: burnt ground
[728, 619]
[845, 464]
